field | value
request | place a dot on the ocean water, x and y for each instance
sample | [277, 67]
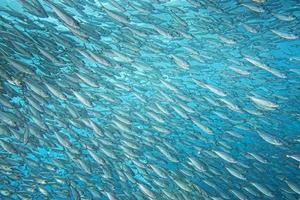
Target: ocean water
[149, 99]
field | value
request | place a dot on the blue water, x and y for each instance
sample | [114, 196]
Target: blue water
[160, 99]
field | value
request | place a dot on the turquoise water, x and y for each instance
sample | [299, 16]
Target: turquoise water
[160, 99]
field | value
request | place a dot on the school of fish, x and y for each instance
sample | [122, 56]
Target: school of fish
[149, 99]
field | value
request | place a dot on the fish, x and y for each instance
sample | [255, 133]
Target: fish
[210, 88]
[270, 139]
[254, 8]
[20, 66]
[283, 35]
[84, 100]
[180, 62]
[265, 67]
[293, 186]
[225, 156]
[64, 16]
[158, 99]
[56, 91]
[262, 103]
[235, 173]
[262, 189]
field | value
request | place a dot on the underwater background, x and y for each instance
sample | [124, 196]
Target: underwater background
[149, 99]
